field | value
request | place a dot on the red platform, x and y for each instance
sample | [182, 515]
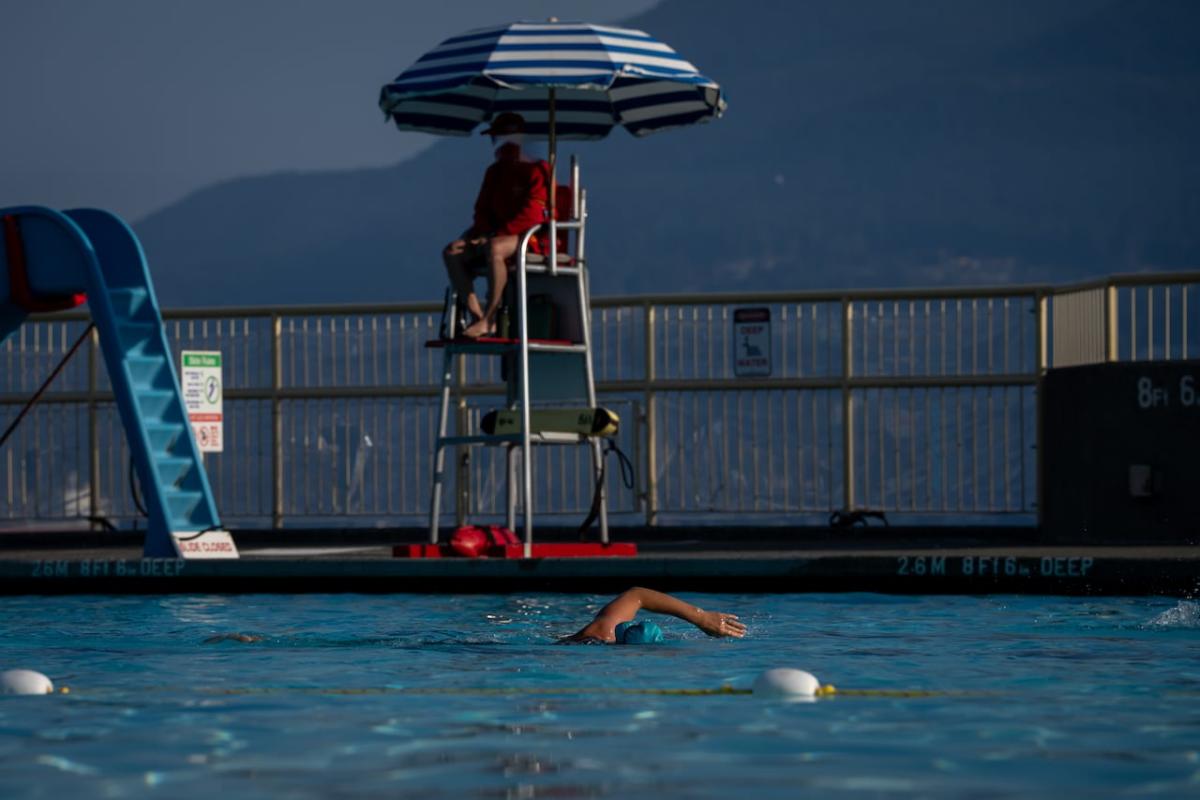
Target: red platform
[543, 550]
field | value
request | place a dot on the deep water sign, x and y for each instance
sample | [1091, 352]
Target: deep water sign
[752, 342]
[202, 395]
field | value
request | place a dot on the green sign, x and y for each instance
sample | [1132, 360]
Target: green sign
[203, 393]
[201, 359]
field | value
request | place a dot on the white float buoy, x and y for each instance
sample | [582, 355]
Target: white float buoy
[24, 681]
[784, 682]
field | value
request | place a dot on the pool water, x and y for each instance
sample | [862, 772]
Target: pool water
[1049, 697]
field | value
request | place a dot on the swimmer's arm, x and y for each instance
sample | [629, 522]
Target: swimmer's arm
[626, 607]
[714, 623]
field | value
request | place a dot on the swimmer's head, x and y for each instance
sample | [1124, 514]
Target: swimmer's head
[635, 632]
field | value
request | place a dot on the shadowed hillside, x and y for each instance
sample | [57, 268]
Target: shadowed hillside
[867, 143]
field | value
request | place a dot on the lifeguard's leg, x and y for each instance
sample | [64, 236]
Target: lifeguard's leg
[456, 258]
[500, 250]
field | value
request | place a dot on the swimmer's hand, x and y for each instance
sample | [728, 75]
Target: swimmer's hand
[716, 623]
[245, 638]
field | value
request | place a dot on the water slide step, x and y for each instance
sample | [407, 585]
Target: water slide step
[180, 505]
[145, 369]
[163, 435]
[128, 302]
[172, 469]
[154, 402]
[138, 338]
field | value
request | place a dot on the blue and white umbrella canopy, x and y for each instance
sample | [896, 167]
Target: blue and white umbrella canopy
[595, 76]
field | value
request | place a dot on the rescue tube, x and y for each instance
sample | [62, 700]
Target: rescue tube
[474, 541]
[585, 421]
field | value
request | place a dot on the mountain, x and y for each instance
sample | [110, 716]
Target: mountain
[867, 143]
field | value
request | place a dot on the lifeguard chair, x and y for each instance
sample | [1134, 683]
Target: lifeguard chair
[547, 370]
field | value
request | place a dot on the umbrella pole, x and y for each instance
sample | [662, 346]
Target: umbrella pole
[553, 191]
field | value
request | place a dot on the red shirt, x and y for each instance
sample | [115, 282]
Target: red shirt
[513, 198]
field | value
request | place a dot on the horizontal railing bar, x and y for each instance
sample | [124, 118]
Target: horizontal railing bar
[266, 393]
[819, 296]
[605, 387]
[703, 298]
[1131, 279]
[266, 312]
[775, 384]
[1031, 290]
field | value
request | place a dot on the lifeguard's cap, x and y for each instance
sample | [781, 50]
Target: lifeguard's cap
[504, 124]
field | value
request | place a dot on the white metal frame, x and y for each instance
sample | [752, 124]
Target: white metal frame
[525, 441]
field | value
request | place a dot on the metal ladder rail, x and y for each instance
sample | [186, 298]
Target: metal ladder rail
[578, 224]
[585, 305]
[449, 353]
[439, 445]
[594, 442]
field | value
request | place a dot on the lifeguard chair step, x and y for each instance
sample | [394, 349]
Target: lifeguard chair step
[494, 345]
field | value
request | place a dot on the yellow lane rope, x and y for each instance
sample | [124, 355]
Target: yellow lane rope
[470, 691]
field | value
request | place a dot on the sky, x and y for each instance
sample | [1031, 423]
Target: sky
[130, 105]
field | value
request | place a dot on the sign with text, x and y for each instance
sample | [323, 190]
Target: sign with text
[752, 342]
[202, 395]
[204, 544]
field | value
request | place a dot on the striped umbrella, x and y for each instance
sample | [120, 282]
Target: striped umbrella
[567, 79]
[597, 77]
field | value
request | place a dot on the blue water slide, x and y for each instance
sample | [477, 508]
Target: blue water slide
[65, 252]
[94, 251]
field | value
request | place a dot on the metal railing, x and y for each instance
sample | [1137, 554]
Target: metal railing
[920, 403]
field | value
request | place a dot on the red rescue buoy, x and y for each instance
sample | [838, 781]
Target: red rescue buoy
[470, 541]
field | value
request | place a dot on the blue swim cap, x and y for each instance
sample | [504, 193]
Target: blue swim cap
[635, 632]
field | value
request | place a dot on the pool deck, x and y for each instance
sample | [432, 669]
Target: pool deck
[931, 561]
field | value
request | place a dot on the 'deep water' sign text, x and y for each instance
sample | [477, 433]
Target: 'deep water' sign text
[752, 342]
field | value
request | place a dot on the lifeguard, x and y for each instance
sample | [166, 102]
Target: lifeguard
[512, 200]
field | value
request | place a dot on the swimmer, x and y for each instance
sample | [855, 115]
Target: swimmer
[623, 609]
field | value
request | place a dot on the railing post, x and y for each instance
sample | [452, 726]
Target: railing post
[651, 497]
[93, 432]
[276, 421]
[462, 453]
[1040, 306]
[847, 405]
[1041, 312]
[1110, 323]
